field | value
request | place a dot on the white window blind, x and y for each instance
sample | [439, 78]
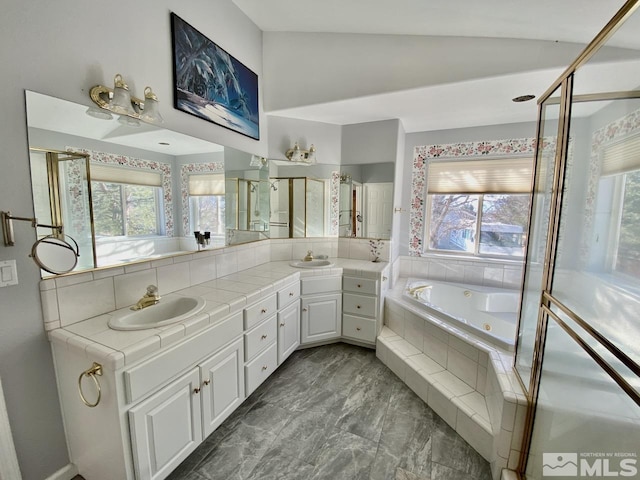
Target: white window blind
[509, 175]
[206, 184]
[103, 173]
[621, 157]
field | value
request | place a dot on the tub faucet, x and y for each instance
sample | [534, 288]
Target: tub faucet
[152, 297]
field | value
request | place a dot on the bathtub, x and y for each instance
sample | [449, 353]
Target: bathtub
[487, 312]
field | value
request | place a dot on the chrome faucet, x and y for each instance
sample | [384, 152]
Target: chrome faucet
[152, 297]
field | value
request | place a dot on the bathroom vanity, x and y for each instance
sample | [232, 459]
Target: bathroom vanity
[164, 390]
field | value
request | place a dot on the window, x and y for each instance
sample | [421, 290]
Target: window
[479, 207]
[207, 203]
[627, 258]
[126, 202]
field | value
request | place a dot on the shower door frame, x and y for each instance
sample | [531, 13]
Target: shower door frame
[547, 300]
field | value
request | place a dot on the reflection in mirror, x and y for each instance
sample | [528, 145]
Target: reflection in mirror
[366, 200]
[246, 197]
[298, 207]
[151, 188]
[56, 255]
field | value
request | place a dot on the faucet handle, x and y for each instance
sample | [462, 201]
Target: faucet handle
[152, 290]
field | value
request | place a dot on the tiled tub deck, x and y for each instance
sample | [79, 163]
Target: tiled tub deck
[470, 384]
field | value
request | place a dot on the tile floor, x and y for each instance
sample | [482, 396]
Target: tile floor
[333, 412]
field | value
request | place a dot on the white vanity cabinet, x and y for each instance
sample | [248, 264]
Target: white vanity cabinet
[360, 303]
[288, 320]
[321, 309]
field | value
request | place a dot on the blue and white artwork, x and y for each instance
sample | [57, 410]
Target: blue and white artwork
[211, 84]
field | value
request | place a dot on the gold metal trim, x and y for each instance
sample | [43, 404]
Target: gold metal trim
[93, 372]
[622, 383]
[615, 351]
[609, 29]
[596, 97]
[97, 93]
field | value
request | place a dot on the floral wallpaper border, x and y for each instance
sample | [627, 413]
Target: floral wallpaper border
[164, 169]
[193, 169]
[622, 127]
[334, 189]
[469, 150]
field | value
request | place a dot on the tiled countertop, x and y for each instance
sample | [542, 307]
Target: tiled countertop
[224, 296]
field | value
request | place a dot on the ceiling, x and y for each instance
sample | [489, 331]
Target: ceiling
[467, 103]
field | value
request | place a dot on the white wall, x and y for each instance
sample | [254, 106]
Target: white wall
[284, 132]
[311, 68]
[62, 49]
[371, 142]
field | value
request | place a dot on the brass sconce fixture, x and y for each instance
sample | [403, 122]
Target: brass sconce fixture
[119, 100]
[298, 155]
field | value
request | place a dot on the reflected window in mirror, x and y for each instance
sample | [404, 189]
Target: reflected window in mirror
[207, 205]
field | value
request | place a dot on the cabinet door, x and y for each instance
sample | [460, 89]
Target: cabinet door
[166, 427]
[222, 385]
[321, 317]
[288, 331]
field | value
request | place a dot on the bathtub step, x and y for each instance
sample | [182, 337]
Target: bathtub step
[458, 404]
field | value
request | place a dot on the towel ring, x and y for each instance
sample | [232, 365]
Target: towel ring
[95, 370]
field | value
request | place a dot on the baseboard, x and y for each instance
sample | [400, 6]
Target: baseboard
[65, 473]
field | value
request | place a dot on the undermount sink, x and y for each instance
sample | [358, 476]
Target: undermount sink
[167, 311]
[311, 264]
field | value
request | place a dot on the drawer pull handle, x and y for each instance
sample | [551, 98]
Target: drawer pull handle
[196, 390]
[264, 367]
[358, 328]
[282, 324]
[263, 337]
[206, 382]
[358, 306]
[264, 310]
[291, 294]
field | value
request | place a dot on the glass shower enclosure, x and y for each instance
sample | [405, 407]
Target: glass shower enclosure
[578, 350]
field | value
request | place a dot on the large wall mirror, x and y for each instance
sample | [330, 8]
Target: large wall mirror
[148, 191]
[366, 200]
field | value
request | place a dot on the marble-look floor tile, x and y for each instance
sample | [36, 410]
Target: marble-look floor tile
[344, 456]
[450, 450]
[405, 442]
[333, 412]
[278, 464]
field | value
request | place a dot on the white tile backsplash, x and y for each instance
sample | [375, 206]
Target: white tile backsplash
[85, 300]
[130, 287]
[202, 269]
[173, 277]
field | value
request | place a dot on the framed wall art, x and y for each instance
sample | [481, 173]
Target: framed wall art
[211, 84]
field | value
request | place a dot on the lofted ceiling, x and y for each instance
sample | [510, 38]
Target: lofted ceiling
[466, 103]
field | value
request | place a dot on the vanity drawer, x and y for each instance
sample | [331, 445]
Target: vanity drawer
[259, 311]
[321, 285]
[151, 373]
[288, 294]
[360, 285]
[257, 371]
[359, 328]
[359, 304]
[260, 337]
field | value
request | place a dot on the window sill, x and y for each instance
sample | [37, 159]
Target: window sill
[472, 258]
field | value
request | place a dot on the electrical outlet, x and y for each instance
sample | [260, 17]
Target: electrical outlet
[8, 273]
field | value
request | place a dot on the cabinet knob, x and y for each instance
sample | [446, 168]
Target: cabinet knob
[263, 337]
[358, 306]
[264, 367]
[264, 310]
[359, 286]
[358, 328]
[305, 309]
[282, 324]
[196, 390]
[206, 382]
[291, 294]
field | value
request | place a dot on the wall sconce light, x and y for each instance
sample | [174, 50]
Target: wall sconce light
[345, 178]
[298, 155]
[257, 161]
[120, 101]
